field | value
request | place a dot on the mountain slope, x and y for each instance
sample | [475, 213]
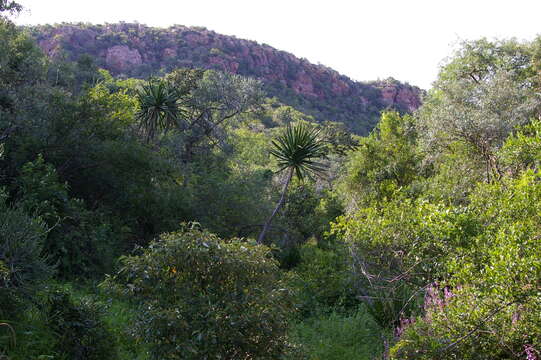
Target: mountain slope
[137, 50]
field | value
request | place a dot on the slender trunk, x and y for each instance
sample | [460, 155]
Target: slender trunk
[280, 204]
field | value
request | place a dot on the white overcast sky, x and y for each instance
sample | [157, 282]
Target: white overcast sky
[364, 40]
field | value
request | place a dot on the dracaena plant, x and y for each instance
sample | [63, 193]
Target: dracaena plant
[159, 108]
[298, 151]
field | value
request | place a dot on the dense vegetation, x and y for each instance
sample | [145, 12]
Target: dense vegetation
[136, 50]
[189, 216]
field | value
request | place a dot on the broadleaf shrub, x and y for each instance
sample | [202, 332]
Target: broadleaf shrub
[201, 297]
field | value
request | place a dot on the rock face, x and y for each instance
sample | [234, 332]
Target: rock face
[121, 58]
[392, 93]
[139, 51]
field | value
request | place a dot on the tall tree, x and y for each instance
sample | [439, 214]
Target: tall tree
[479, 98]
[217, 99]
[297, 151]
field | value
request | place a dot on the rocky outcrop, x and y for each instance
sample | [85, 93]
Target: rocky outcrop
[138, 50]
[395, 94]
[120, 58]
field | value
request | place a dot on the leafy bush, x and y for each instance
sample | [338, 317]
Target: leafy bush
[385, 163]
[80, 331]
[23, 268]
[322, 279]
[522, 150]
[79, 239]
[400, 248]
[495, 306]
[204, 298]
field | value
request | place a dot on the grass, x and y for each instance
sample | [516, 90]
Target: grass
[118, 316]
[338, 336]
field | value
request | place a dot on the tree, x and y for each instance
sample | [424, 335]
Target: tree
[385, 163]
[480, 97]
[217, 99]
[197, 104]
[159, 109]
[296, 150]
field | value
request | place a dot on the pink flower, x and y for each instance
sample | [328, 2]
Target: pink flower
[531, 353]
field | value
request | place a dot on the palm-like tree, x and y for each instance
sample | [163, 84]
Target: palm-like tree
[159, 108]
[297, 151]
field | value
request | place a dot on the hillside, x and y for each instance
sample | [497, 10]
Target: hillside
[137, 50]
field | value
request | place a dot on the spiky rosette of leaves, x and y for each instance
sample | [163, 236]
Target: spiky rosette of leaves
[298, 148]
[159, 108]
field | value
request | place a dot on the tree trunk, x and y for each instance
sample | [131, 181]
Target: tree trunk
[278, 207]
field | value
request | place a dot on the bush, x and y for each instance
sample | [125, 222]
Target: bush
[79, 328]
[322, 279]
[492, 307]
[204, 298]
[23, 268]
[79, 240]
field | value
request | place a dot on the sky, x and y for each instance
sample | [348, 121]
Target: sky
[363, 39]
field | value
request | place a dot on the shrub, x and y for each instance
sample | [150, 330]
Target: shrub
[495, 308]
[204, 298]
[22, 266]
[322, 279]
[80, 331]
[79, 239]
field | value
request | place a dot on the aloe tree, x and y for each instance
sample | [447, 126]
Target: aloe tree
[297, 151]
[159, 108]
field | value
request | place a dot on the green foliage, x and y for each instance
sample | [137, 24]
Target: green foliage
[480, 97]
[34, 339]
[24, 268]
[79, 328]
[385, 163]
[297, 149]
[339, 336]
[119, 315]
[10, 6]
[78, 240]
[204, 298]
[400, 248]
[454, 175]
[322, 280]
[113, 99]
[21, 61]
[494, 307]
[159, 110]
[522, 150]
[299, 215]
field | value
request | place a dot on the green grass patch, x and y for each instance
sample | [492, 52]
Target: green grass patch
[337, 336]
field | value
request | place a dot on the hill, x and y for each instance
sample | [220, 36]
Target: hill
[135, 50]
